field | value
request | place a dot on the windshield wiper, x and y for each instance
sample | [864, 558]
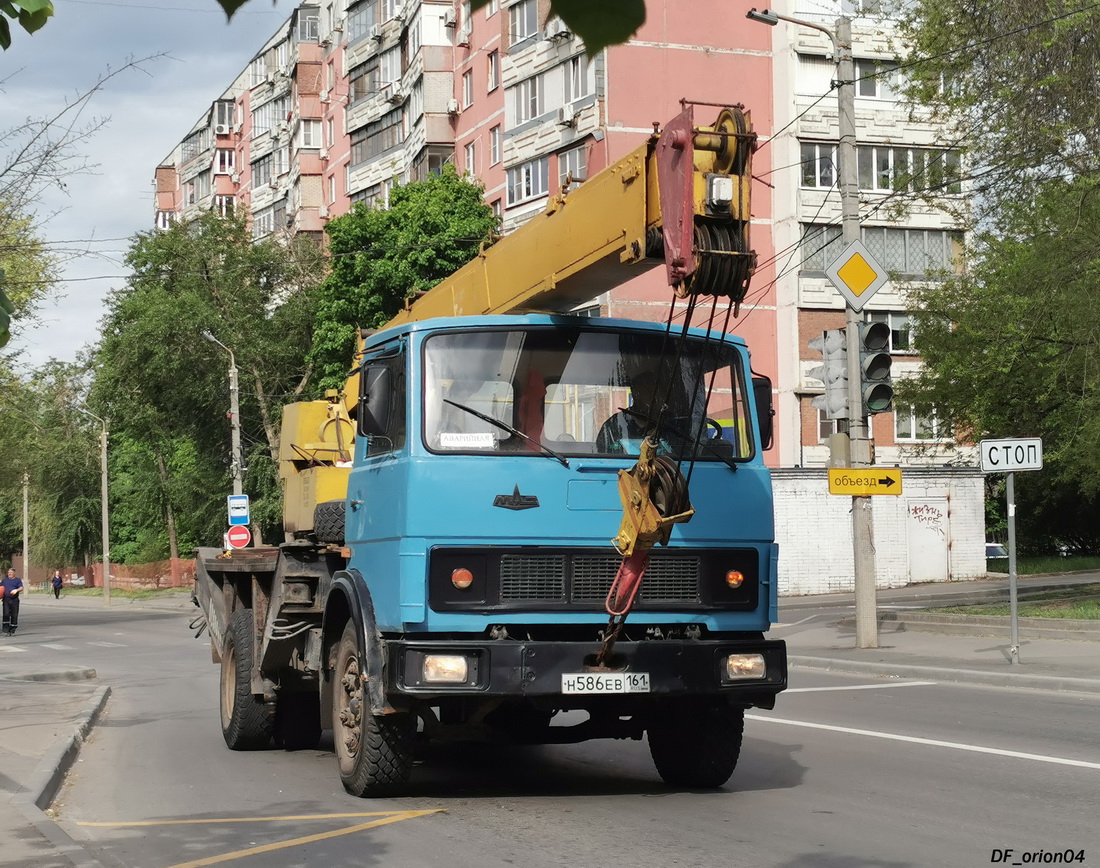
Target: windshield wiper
[504, 426]
[668, 426]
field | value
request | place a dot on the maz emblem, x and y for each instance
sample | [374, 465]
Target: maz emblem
[515, 500]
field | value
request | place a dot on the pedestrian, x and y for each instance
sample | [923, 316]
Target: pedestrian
[56, 581]
[13, 590]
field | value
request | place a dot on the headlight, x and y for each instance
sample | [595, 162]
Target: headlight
[740, 667]
[446, 669]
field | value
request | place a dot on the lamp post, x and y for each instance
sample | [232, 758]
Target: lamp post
[237, 462]
[860, 452]
[103, 504]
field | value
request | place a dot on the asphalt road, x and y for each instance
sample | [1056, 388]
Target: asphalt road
[846, 771]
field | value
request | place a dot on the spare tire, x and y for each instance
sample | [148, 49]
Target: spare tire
[328, 522]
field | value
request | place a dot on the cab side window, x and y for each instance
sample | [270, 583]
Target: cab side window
[382, 404]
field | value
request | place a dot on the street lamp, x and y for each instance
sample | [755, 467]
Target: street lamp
[862, 526]
[237, 464]
[102, 503]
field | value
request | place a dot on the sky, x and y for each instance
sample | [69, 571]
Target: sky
[194, 55]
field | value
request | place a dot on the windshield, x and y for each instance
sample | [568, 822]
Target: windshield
[582, 391]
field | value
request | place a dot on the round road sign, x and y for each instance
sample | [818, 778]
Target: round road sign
[239, 536]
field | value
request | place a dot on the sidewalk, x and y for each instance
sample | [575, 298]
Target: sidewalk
[49, 710]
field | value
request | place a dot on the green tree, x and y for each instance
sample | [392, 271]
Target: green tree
[1010, 348]
[380, 257]
[165, 388]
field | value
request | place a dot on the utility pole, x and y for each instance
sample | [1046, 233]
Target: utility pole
[863, 558]
[236, 468]
[27, 526]
[105, 526]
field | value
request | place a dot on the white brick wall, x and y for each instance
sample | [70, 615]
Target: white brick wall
[814, 528]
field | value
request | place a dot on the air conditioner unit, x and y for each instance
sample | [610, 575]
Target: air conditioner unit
[399, 12]
[322, 212]
[324, 96]
[463, 38]
[376, 32]
[393, 93]
[452, 106]
[221, 129]
[556, 29]
[323, 153]
[449, 18]
[567, 115]
[235, 177]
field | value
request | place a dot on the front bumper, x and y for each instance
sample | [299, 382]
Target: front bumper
[534, 669]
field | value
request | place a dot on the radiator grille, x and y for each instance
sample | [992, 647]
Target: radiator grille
[526, 577]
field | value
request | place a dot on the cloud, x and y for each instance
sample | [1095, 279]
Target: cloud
[193, 55]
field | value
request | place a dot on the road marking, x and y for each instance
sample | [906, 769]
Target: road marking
[57, 646]
[196, 822]
[859, 687]
[931, 742]
[796, 623]
[107, 644]
[307, 839]
[13, 649]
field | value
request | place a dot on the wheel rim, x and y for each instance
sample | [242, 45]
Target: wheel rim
[349, 710]
[229, 684]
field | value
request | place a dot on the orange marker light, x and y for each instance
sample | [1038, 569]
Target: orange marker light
[735, 578]
[462, 578]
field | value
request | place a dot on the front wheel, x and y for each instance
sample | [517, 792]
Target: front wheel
[696, 744]
[246, 719]
[374, 752]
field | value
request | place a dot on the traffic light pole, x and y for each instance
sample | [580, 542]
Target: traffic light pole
[863, 556]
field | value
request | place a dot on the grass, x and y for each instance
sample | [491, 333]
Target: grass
[1037, 565]
[143, 594]
[1081, 603]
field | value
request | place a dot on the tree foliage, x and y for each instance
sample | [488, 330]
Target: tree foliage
[1015, 81]
[1012, 347]
[380, 257]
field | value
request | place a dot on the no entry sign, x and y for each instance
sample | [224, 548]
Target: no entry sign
[239, 536]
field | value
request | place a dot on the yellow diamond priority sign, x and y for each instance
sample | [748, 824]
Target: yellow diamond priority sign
[864, 480]
[857, 275]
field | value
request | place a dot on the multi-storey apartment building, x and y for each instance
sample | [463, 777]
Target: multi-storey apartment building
[349, 98]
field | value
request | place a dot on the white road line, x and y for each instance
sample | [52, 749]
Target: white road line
[931, 742]
[795, 624]
[859, 687]
[56, 646]
[107, 644]
[12, 649]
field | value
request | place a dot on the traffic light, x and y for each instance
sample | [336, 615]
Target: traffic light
[833, 373]
[877, 388]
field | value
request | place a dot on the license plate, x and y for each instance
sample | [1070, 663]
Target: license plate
[605, 682]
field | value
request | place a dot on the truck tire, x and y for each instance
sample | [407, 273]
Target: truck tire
[328, 522]
[696, 744]
[246, 719]
[298, 721]
[374, 752]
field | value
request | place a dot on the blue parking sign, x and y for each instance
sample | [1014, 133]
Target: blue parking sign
[238, 509]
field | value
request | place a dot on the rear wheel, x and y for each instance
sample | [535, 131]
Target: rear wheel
[246, 719]
[696, 744]
[374, 752]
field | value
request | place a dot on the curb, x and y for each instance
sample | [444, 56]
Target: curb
[51, 675]
[46, 779]
[965, 676]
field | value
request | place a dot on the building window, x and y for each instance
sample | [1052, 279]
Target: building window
[901, 330]
[818, 164]
[261, 171]
[494, 145]
[494, 71]
[910, 426]
[908, 169]
[523, 21]
[576, 78]
[363, 80]
[309, 134]
[908, 253]
[193, 145]
[224, 159]
[572, 164]
[385, 133]
[165, 218]
[361, 19]
[528, 181]
[826, 427]
[467, 89]
[876, 79]
[330, 132]
[491, 8]
[224, 113]
[308, 28]
[332, 189]
[389, 66]
[469, 152]
[498, 208]
[263, 222]
[257, 72]
[528, 102]
[223, 205]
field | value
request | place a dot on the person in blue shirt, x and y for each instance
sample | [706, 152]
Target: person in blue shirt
[56, 583]
[13, 590]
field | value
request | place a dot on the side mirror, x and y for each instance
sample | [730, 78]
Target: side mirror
[375, 399]
[762, 397]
